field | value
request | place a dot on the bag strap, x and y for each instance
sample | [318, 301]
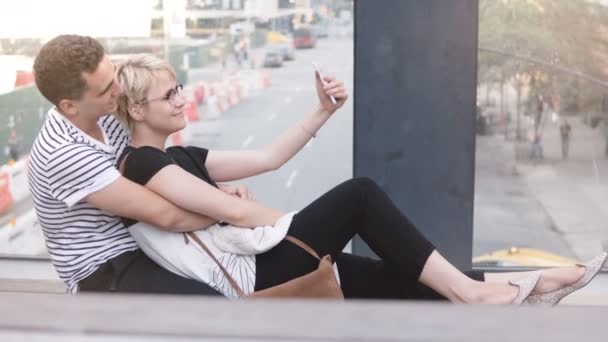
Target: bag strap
[231, 280]
[302, 245]
[235, 286]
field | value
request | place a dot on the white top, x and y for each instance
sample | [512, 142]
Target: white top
[234, 247]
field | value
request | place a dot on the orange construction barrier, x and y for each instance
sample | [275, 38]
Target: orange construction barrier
[191, 111]
[6, 198]
[199, 92]
[265, 79]
[24, 78]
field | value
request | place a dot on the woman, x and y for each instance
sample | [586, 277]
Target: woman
[248, 237]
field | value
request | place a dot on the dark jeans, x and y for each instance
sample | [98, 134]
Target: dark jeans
[134, 272]
[357, 206]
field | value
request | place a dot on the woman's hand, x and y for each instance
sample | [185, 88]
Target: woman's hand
[240, 191]
[334, 88]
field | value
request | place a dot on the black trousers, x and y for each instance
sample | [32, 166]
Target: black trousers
[135, 272]
[357, 206]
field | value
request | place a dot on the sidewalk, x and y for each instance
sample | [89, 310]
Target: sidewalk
[573, 192]
[507, 213]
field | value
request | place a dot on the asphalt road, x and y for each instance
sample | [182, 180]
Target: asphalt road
[325, 161]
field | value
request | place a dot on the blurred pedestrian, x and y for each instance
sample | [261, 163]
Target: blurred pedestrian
[13, 146]
[536, 149]
[564, 132]
[605, 133]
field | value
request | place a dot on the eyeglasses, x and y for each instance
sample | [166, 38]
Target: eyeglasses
[170, 96]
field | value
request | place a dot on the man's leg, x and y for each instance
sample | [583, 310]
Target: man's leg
[136, 273]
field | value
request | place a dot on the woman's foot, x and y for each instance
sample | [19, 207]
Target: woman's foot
[514, 293]
[556, 278]
[552, 297]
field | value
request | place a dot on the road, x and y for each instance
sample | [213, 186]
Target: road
[325, 161]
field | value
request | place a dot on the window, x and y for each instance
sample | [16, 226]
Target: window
[542, 132]
[234, 100]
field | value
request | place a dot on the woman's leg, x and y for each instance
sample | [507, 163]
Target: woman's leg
[360, 277]
[366, 278]
[359, 206]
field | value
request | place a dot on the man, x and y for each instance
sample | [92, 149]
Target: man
[78, 192]
[13, 146]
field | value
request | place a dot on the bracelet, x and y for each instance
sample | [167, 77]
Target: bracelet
[307, 132]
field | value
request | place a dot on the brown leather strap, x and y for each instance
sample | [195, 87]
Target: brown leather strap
[235, 286]
[302, 245]
[231, 280]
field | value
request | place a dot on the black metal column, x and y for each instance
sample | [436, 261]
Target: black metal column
[415, 94]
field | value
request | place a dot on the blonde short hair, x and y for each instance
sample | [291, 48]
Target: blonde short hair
[136, 75]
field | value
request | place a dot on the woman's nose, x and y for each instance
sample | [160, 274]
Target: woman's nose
[180, 100]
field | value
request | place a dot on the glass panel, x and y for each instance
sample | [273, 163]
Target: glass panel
[541, 180]
[246, 77]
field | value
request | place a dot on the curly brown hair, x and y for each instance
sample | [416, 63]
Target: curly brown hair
[60, 63]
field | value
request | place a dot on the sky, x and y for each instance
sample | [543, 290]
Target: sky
[48, 18]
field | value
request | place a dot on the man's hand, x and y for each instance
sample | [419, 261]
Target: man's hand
[240, 191]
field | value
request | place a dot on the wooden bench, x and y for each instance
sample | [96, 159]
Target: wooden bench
[116, 317]
[32, 286]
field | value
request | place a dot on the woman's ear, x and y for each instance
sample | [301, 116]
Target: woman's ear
[136, 113]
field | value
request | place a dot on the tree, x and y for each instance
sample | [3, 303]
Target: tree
[570, 34]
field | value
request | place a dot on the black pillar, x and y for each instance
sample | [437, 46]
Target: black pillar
[415, 96]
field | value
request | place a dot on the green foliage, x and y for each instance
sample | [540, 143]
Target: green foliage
[566, 33]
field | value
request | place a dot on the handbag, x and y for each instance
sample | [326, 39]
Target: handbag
[320, 283]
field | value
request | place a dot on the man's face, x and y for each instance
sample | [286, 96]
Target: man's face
[102, 92]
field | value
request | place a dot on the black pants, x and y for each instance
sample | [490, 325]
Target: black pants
[135, 272]
[357, 206]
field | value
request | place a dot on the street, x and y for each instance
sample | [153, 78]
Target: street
[325, 161]
[551, 204]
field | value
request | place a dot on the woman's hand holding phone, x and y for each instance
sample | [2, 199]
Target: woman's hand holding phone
[332, 93]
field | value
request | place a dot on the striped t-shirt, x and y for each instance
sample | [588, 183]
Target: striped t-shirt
[66, 165]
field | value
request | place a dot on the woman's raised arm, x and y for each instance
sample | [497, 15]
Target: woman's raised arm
[226, 166]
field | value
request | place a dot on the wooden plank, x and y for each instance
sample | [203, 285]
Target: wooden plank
[185, 317]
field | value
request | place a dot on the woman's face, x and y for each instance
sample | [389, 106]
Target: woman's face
[163, 110]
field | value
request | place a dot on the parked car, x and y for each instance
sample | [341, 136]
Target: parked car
[273, 59]
[287, 51]
[304, 38]
[320, 30]
[522, 257]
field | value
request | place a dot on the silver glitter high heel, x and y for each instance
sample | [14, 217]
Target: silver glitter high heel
[526, 286]
[592, 268]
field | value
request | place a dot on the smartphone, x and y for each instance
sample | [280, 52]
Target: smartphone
[314, 65]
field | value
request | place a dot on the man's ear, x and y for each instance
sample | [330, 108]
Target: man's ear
[68, 107]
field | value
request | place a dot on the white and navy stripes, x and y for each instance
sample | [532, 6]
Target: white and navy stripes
[242, 269]
[66, 165]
